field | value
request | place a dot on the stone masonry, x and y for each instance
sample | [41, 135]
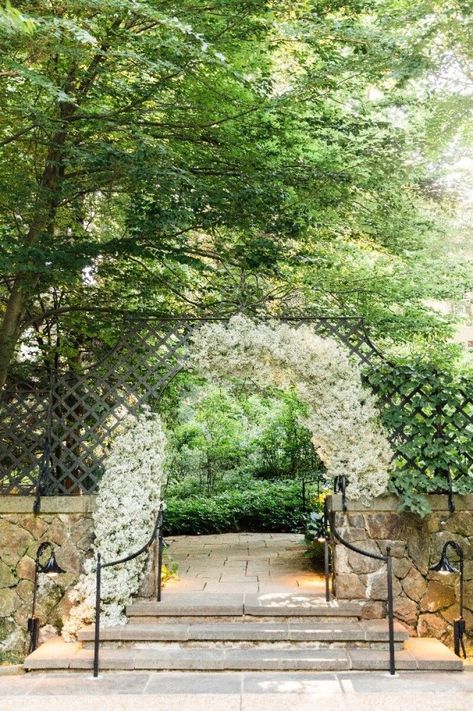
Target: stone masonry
[425, 601]
[67, 523]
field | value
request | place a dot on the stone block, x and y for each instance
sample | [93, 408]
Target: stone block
[430, 625]
[9, 601]
[46, 633]
[69, 558]
[24, 590]
[350, 586]
[356, 520]
[363, 564]
[353, 535]
[36, 525]
[25, 568]
[435, 522]
[384, 525]
[82, 534]
[58, 531]
[460, 522]
[7, 627]
[414, 584]
[401, 567]
[21, 615]
[452, 612]
[377, 585]
[417, 549]
[468, 569]
[398, 548]
[49, 504]
[406, 610]
[341, 562]
[373, 610]
[6, 576]
[468, 594]
[436, 597]
[15, 542]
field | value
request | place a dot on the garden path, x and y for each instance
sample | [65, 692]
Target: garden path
[242, 562]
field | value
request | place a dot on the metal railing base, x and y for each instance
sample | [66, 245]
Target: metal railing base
[157, 536]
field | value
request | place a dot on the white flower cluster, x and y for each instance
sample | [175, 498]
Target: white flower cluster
[126, 509]
[342, 414]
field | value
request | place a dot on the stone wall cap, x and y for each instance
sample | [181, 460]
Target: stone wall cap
[437, 502]
[49, 504]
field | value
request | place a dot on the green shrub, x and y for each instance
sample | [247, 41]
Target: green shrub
[262, 506]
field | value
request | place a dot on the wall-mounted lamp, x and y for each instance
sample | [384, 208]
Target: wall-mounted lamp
[444, 566]
[51, 568]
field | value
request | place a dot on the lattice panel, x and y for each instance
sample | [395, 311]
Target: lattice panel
[23, 414]
[55, 433]
[59, 439]
[430, 426]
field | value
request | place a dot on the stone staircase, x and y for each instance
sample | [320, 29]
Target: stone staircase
[265, 632]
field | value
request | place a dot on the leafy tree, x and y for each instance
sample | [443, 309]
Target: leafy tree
[222, 437]
[246, 155]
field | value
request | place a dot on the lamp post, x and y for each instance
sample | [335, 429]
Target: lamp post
[445, 567]
[51, 568]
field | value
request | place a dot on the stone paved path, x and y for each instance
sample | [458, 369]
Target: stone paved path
[245, 691]
[243, 563]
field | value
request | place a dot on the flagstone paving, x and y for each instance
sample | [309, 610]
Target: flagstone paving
[244, 562]
[244, 691]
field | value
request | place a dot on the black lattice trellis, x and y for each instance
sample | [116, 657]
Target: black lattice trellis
[55, 426]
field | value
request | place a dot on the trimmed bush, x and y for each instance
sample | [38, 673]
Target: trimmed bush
[263, 506]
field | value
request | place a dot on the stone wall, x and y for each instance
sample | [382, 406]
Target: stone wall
[425, 601]
[64, 521]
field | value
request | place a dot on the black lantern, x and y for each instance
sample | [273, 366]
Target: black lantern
[51, 568]
[444, 566]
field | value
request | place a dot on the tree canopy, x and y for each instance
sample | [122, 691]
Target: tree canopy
[244, 155]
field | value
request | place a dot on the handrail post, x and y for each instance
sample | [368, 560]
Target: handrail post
[326, 553]
[326, 569]
[160, 554]
[389, 566]
[98, 576]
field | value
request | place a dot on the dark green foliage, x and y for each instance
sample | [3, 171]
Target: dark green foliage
[262, 506]
[220, 432]
[430, 413]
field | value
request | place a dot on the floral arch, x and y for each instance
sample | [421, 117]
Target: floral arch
[342, 414]
[342, 417]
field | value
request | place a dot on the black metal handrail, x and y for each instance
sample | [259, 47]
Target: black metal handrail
[157, 536]
[330, 528]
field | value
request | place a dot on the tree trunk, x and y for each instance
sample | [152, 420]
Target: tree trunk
[9, 330]
[48, 199]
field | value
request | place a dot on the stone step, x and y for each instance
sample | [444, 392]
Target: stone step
[317, 634]
[275, 605]
[423, 654]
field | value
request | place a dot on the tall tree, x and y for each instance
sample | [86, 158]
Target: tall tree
[173, 156]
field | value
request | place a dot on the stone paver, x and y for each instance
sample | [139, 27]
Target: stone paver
[249, 562]
[230, 691]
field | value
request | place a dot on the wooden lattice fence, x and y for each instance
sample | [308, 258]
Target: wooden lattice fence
[56, 424]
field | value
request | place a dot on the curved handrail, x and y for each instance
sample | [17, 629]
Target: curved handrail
[330, 527]
[340, 539]
[157, 536]
[143, 548]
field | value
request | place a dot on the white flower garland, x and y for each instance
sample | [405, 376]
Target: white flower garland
[126, 508]
[342, 418]
[342, 414]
